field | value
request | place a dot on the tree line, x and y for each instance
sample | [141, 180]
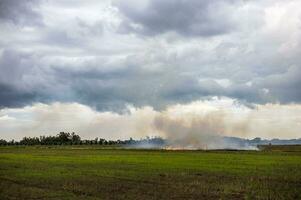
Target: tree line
[65, 138]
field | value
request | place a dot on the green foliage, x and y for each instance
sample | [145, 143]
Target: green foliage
[64, 138]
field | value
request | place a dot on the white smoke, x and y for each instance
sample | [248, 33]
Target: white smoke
[201, 124]
[202, 132]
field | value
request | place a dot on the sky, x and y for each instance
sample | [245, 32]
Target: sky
[133, 68]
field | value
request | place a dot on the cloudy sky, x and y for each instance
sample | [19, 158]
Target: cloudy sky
[112, 68]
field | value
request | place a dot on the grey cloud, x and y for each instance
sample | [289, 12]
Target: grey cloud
[15, 87]
[60, 38]
[25, 79]
[75, 35]
[84, 62]
[189, 18]
[114, 88]
[283, 87]
[10, 66]
[20, 12]
[90, 29]
[13, 97]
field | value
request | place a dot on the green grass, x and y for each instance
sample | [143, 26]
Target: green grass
[103, 173]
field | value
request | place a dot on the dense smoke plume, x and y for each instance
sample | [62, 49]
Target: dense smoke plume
[199, 132]
[209, 124]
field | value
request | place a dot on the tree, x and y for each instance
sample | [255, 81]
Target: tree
[3, 142]
[75, 138]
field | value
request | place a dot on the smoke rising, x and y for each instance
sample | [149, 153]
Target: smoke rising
[202, 132]
[201, 124]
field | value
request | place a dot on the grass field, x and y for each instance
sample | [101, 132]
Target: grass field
[97, 173]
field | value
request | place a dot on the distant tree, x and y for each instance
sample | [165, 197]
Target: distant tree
[3, 142]
[75, 138]
[12, 142]
[30, 141]
[96, 140]
[64, 138]
[101, 141]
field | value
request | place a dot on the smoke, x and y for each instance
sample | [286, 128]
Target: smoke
[209, 124]
[208, 132]
[199, 132]
[203, 124]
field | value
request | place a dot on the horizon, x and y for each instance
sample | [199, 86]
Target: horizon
[155, 142]
[137, 138]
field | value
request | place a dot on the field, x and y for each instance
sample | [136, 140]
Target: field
[74, 172]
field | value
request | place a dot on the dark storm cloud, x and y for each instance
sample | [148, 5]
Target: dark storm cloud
[15, 89]
[84, 59]
[13, 97]
[117, 86]
[20, 12]
[112, 90]
[189, 18]
[10, 66]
